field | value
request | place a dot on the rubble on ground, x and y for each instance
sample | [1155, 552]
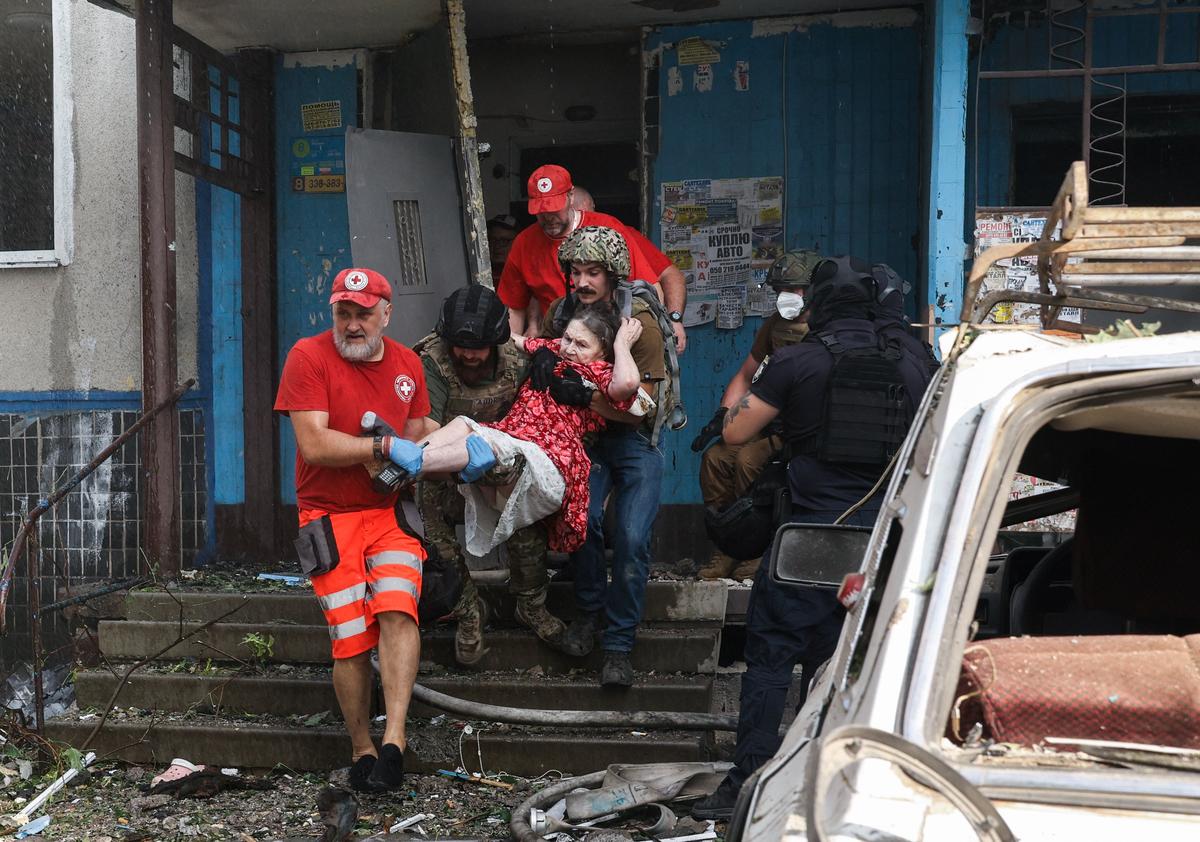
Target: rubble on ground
[111, 806]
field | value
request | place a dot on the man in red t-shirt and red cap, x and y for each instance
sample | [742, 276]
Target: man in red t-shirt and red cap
[533, 271]
[364, 565]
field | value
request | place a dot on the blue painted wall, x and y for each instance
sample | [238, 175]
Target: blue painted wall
[1021, 46]
[847, 100]
[313, 230]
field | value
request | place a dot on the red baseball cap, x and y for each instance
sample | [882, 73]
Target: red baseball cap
[362, 286]
[548, 187]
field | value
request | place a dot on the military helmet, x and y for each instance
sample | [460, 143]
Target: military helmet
[596, 244]
[793, 269]
[842, 287]
[473, 317]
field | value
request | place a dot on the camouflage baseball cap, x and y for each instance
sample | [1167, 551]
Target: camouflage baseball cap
[794, 269]
[596, 244]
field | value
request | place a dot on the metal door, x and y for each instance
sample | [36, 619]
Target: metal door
[406, 221]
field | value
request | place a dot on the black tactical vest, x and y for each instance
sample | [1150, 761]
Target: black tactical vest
[866, 413]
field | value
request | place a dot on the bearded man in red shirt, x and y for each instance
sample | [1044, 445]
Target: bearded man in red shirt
[533, 271]
[364, 564]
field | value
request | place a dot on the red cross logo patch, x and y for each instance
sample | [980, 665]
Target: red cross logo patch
[405, 388]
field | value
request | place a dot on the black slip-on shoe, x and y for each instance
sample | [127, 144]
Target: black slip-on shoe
[388, 773]
[360, 771]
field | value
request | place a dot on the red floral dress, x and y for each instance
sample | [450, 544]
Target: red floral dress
[559, 430]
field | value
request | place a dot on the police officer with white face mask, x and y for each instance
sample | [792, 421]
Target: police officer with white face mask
[726, 471]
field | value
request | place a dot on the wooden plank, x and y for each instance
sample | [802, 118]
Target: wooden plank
[1123, 215]
[1099, 267]
[1143, 229]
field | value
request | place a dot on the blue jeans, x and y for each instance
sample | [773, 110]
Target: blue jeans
[623, 463]
[785, 625]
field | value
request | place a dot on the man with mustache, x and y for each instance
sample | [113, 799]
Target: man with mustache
[364, 563]
[627, 467]
[532, 278]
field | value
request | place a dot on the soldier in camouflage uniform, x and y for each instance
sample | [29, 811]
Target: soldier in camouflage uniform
[726, 471]
[472, 369]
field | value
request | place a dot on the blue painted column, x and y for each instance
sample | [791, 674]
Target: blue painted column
[947, 189]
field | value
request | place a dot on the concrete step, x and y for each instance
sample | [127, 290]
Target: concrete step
[663, 650]
[310, 690]
[666, 601]
[262, 742]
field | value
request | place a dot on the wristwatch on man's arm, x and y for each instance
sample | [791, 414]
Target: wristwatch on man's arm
[675, 316]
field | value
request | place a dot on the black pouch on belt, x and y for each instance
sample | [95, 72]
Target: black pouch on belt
[316, 547]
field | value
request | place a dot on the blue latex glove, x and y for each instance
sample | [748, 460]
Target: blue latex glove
[406, 454]
[480, 459]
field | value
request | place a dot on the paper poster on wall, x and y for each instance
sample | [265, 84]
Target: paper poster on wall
[1017, 273]
[695, 50]
[724, 233]
[702, 78]
[317, 116]
[674, 81]
[701, 309]
[741, 76]
[731, 306]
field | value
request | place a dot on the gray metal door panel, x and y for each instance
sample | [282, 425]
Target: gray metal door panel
[406, 221]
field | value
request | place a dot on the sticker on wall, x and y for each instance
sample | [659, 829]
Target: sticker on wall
[695, 50]
[317, 116]
[741, 76]
[318, 164]
[702, 78]
[674, 81]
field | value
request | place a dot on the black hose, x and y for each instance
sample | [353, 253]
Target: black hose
[519, 827]
[650, 719]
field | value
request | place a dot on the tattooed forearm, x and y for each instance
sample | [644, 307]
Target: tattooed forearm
[744, 403]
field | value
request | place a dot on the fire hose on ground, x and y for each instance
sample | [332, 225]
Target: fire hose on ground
[649, 719]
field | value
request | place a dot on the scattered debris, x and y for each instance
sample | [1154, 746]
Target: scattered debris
[292, 581]
[339, 813]
[58, 691]
[474, 779]
[33, 827]
[26, 813]
[409, 822]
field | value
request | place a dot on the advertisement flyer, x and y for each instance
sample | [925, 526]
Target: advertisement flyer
[731, 305]
[724, 234]
[1018, 273]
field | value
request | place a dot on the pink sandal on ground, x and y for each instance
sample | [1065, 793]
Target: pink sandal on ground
[179, 768]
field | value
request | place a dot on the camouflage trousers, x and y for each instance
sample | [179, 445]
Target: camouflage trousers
[442, 510]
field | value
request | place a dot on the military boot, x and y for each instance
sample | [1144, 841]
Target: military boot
[531, 612]
[745, 569]
[719, 566]
[472, 616]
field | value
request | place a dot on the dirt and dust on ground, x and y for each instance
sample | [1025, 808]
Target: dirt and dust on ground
[108, 804]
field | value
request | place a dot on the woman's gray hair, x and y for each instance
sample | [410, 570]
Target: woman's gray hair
[602, 320]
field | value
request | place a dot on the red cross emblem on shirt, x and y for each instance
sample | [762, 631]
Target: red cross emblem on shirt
[405, 388]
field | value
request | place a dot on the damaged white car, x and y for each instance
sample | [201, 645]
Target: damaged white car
[985, 688]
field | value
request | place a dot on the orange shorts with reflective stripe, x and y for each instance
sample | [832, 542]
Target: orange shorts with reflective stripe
[378, 570]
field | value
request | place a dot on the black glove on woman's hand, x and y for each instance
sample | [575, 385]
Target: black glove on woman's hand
[570, 389]
[711, 431]
[541, 368]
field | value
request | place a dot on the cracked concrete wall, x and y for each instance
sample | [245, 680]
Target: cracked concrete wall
[78, 327]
